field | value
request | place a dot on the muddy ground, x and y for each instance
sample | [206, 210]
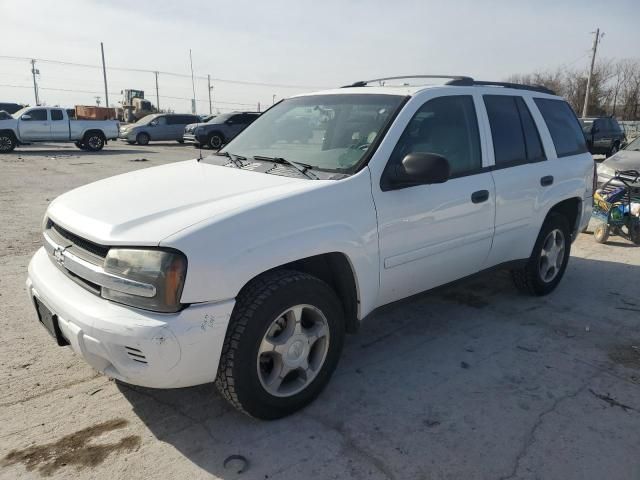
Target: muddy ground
[474, 381]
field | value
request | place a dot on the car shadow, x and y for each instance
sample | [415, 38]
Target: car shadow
[424, 382]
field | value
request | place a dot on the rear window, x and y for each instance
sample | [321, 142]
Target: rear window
[56, 115]
[563, 126]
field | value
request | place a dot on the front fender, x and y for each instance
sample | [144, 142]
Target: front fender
[338, 216]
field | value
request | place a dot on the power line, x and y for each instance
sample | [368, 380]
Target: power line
[118, 93]
[174, 74]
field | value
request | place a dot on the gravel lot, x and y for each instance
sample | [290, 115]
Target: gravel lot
[473, 381]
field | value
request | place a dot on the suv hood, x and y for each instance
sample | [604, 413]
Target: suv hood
[624, 160]
[146, 206]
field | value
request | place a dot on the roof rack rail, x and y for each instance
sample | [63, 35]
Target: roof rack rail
[457, 78]
[515, 86]
[460, 81]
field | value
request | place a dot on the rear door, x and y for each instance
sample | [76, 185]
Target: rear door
[430, 235]
[602, 136]
[175, 127]
[59, 125]
[35, 126]
[521, 174]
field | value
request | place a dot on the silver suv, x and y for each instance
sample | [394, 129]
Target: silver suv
[160, 126]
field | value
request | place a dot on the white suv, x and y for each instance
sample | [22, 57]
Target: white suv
[248, 267]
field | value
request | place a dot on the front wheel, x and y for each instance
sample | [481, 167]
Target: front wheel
[282, 344]
[549, 258]
[215, 141]
[143, 138]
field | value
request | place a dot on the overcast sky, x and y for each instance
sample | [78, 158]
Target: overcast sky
[293, 42]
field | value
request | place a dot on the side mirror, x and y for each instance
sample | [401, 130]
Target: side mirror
[420, 169]
[26, 116]
[153, 123]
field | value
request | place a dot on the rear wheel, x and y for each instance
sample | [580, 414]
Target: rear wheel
[7, 142]
[282, 344]
[80, 145]
[549, 258]
[93, 141]
[143, 138]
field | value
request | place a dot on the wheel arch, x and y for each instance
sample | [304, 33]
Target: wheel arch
[8, 131]
[571, 209]
[335, 269]
[93, 131]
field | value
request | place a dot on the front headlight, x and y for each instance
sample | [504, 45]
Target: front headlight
[164, 270]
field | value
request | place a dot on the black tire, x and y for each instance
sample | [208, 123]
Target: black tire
[180, 141]
[93, 141]
[8, 142]
[131, 142]
[601, 233]
[257, 306]
[80, 145]
[143, 138]
[215, 140]
[528, 279]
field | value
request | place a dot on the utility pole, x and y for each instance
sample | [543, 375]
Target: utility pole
[193, 85]
[258, 107]
[104, 74]
[157, 94]
[34, 72]
[209, 89]
[596, 40]
[273, 99]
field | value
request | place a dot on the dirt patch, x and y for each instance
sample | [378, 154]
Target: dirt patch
[73, 449]
[626, 355]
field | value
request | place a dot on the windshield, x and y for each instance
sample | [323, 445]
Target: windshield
[145, 120]
[635, 145]
[327, 132]
[20, 112]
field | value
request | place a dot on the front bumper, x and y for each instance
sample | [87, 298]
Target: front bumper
[128, 136]
[193, 138]
[136, 346]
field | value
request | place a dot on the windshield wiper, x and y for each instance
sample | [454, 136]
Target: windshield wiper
[303, 168]
[235, 159]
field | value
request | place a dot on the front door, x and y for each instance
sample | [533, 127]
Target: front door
[36, 126]
[433, 234]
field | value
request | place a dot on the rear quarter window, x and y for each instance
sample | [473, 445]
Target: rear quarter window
[563, 126]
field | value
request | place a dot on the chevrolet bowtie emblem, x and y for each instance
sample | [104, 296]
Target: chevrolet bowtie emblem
[58, 254]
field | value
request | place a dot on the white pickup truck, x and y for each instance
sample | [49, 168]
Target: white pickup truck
[247, 267]
[44, 124]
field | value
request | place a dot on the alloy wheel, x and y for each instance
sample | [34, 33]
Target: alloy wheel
[551, 255]
[293, 350]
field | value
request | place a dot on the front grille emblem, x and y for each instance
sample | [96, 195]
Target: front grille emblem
[58, 254]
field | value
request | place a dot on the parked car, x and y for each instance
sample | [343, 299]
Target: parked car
[604, 135]
[626, 159]
[219, 130]
[10, 108]
[247, 267]
[40, 124]
[157, 127]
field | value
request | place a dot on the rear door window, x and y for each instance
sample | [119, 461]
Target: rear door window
[506, 130]
[532, 142]
[56, 115]
[563, 126]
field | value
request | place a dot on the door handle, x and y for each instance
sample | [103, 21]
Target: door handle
[480, 196]
[546, 181]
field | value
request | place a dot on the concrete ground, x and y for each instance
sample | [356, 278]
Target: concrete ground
[474, 381]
